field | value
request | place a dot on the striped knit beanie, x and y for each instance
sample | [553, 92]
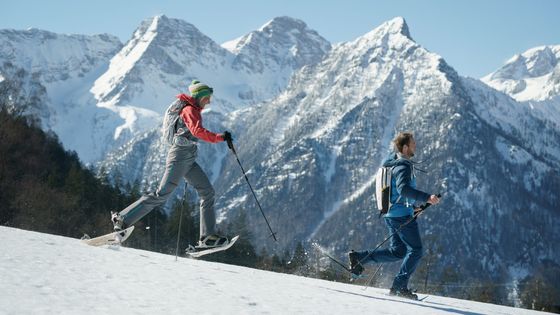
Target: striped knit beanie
[199, 90]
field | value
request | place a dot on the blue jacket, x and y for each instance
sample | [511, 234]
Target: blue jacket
[403, 187]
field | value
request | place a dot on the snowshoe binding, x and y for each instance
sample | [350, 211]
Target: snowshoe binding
[211, 241]
[117, 220]
[356, 267]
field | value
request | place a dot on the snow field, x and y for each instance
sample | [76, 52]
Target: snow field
[48, 274]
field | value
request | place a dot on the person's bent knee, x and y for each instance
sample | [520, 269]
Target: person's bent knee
[418, 252]
[398, 252]
[164, 192]
[207, 193]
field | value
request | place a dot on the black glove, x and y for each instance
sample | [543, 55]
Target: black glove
[228, 139]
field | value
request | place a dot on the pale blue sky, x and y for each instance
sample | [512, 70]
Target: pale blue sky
[475, 37]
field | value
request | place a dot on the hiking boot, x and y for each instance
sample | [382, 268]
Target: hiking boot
[117, 219]
[405, 293]
[356, 267]
[212, 240]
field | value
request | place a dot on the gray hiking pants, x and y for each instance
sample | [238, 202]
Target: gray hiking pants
[180, 163]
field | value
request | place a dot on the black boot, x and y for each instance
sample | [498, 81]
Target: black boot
[117, 219]
[356, 267]
[405, 293]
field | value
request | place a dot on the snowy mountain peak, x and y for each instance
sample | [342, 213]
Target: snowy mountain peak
[159, 44]
[542, 60]
[535, 62]
[283, 23]
[283, 41]
[56, 56]
[45, 36]
[398, 25]
[169, 30]
[395, 26]
[532, 75]
[392, 35]
[275, 29]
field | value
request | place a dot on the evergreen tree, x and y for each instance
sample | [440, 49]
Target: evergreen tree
[149, 232]
[424, 273]
[277, 264]
[189, 233]
[285, 261]
[45, 188]
[485, 291]
[298, 263]
[264, 260]
[541, 290]
[448, 278]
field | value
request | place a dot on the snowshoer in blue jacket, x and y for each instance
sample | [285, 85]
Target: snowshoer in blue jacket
[405, 243]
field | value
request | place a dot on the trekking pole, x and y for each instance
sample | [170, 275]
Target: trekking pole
[180, 221]
[230, 145]
[370, 280]
[422, 208]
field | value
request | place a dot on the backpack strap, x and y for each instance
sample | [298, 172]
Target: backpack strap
[185, 104]
[399, 198]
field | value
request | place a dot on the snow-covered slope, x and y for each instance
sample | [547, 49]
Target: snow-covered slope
[532, 75]
[66, 66]
[47, 274]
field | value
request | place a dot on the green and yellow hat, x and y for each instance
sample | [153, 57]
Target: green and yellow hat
[199, 90]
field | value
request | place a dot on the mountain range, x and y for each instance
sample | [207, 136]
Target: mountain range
[312, 122]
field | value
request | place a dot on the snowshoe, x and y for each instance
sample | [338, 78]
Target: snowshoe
[405, 293]
[195, 252]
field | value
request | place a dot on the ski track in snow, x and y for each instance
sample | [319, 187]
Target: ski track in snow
[48, 274]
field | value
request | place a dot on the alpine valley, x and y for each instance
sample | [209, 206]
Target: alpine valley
[312, 122]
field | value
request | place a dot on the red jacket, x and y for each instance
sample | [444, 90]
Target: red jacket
[192, 117]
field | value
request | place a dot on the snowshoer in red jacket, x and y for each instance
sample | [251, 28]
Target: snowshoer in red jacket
[181, 163]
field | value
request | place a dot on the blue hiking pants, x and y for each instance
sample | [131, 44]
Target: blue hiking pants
[404, 244]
